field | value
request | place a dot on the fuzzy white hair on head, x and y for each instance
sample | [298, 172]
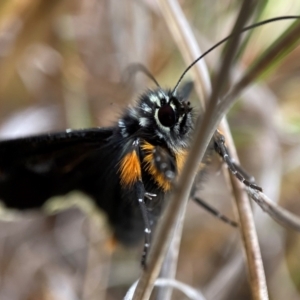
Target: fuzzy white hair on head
[145, 107]
[143, 122]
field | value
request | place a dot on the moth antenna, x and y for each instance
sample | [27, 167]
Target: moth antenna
[138, 67]
[227, 38]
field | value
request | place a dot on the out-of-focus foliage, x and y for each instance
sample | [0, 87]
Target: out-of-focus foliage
[63, 64]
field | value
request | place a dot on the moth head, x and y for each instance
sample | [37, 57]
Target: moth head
[167, 116]
[160, 116]
[169, 110]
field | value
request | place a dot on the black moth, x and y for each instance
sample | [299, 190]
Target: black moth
[128, 169]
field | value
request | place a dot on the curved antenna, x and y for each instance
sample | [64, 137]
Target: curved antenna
[227, 38]
[138, 67]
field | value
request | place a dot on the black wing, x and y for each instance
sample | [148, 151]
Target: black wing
[33, 169]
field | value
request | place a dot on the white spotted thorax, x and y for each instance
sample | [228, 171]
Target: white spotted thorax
[159, 117]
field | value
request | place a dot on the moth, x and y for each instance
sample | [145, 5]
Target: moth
[128, 168]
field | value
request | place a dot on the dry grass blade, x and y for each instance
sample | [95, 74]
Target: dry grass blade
[263, 63]
[179, 200]
[250, 240]
[256, 271]
[186, 42]
[251, 244]
[285, 43]
[190, 292]
[187, 290]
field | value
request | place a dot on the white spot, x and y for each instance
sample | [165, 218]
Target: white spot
[162, 95]
[163, 165]
[170, 174]
[147, 230]
[121, 123]
[150, 195]
[143, 122]
[69, 130]
[146, 245]
[122, 126]
[145, 107]
[173, 106]
[180, 119]
[140, 200]
[159, 134]
[154, 99]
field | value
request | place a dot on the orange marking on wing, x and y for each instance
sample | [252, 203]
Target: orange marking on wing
[147, 147]
[151, 168]
[159, 177]
[130, 169]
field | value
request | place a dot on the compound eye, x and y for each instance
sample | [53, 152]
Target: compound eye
[167, 116]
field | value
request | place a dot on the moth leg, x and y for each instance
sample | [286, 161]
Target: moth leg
[166, 165]
[221, 149]
[150, 195]
[240, 169]
[141, 194]
[210, 209]
[214, 211]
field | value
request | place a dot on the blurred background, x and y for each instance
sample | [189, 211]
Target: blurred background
[63, 65]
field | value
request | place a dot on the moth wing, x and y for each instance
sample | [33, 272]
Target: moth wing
[33, 169]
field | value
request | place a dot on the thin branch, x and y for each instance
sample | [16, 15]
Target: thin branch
[286, 43]
[187, 290]
[179, 198]
[257, 276]
[247, 227]
[188, 46]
